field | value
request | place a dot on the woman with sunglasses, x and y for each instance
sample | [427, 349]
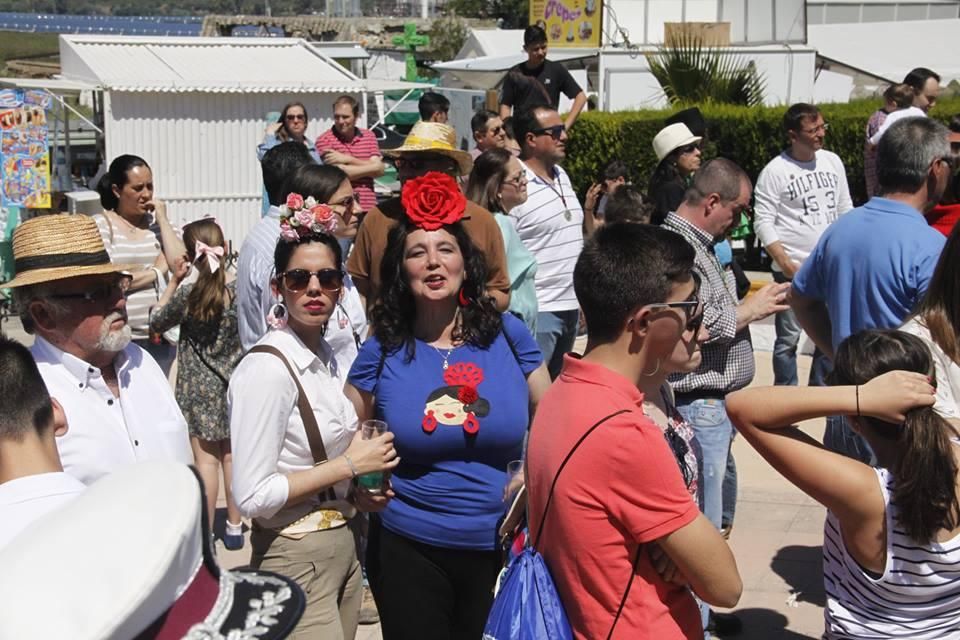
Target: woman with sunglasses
[290, 126]
[679, 155]
[294, 433]
[456, 381]
[498, 183]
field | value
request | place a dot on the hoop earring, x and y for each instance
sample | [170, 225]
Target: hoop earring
[652, 373]
[277, 316]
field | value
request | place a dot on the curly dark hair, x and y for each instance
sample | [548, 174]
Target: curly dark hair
[395, 311]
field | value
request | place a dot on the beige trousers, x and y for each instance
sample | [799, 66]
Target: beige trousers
[325, 566]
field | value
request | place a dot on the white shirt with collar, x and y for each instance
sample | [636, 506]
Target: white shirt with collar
[267, 435]
[255, 296]
[23, 500]
[105, 433]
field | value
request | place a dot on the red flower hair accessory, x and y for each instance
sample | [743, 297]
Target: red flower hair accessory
[299, 218]
[433, 200]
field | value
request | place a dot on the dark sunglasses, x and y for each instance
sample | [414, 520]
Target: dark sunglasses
[101, 292]
[690, 148]
[496, 130]
[692, 309]
[296, 116]
[554, 132]
[434, 162]
[299, 279]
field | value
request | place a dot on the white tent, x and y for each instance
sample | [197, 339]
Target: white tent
[195, 109]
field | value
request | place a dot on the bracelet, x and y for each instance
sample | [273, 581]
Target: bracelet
[353, 468]
[857, 391]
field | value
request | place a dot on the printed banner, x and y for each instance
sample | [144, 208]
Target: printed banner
[568, 23]
[24, 149]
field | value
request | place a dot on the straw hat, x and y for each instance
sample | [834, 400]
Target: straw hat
[55, 247]
[672, 137]
[433, 137]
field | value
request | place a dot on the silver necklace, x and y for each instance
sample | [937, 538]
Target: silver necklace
[445, 356]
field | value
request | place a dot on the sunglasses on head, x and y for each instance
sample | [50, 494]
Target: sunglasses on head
[299, 279]
[692, 308]
[554, 132]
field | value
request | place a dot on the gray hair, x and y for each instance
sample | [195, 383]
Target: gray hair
[907, 150]
[24, 296]
[720, 176]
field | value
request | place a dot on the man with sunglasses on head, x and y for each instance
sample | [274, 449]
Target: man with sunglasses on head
[550, 224]
[430, 146]
[118, 404]
[798, 195]
[719, 193]
[353, 149]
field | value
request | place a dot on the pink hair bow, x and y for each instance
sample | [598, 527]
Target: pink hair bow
[213, 255]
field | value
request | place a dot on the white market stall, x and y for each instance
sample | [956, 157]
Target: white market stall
[194, 108]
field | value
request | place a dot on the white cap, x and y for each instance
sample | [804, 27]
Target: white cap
[115, 560]
[672, 137]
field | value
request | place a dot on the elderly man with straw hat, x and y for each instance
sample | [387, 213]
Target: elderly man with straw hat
[117, 401]
[430, 146]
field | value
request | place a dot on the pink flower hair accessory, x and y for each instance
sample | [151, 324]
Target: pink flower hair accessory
[301, 217]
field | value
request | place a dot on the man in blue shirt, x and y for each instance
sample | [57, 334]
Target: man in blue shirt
[870, 267]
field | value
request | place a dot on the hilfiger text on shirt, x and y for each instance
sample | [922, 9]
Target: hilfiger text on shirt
[816, 192]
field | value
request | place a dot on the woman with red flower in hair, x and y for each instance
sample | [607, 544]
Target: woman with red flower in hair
[457, 381]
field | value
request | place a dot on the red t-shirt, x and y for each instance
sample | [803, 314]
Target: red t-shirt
[363, 147]
[944, 217]
[621, 488]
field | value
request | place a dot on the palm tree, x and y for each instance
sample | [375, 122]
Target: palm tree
[692, 72]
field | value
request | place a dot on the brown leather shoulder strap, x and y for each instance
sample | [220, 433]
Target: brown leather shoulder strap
[306, 412]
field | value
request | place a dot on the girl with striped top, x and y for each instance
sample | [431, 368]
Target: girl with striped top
[891, 552]
[135, 230]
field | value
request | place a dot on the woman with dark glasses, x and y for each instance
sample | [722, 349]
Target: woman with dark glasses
[679, 154]
[296, 446]
[291, 125]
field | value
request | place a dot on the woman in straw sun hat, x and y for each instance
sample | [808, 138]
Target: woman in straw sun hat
[678, 153]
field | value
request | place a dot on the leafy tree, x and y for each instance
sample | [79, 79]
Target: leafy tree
[447, 35]
[690, 71]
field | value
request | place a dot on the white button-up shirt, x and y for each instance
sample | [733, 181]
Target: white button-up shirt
[105, 433]
[267, 435]
[23, 500]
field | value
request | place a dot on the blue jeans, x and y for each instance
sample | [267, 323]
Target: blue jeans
[708, 417]
[841, 438]
[556, 332]
[785, 349]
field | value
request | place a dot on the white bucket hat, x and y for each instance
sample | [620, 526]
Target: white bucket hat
[672, 137]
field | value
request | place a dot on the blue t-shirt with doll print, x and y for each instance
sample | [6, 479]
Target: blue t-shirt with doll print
[456, 429]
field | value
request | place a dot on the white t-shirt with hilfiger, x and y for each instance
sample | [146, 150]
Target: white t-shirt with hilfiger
[794, 202]
[550, 225]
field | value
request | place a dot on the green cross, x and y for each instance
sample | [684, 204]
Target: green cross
[410, 41]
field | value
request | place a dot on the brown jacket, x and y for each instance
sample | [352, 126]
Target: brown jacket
[371, 244]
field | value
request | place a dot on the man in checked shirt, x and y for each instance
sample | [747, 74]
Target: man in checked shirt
[719, 193]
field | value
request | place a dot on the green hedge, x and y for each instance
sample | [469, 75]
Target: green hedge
[750, 136]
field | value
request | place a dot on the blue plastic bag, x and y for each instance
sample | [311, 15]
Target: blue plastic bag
[527, 607]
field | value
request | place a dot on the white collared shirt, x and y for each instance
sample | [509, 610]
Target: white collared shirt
[103, 433]
[23, 500]
[255, 296]
[267, 435]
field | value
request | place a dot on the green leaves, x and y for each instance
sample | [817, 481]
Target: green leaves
[694, 73]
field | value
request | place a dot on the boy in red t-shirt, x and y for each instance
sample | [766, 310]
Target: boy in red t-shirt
[623, 533]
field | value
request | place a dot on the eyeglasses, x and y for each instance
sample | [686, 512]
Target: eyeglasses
[517, 182]
[101, 292]
[296, 116]
[299, 279]
[823, 127]
[495, 131]
[692, 309]
[349, 202]
[554, 132]
[690, 148]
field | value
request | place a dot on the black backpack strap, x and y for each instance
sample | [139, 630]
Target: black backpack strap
[553, 486]
[626, 592]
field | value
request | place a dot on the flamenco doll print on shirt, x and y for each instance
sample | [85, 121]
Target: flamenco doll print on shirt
[458, 403]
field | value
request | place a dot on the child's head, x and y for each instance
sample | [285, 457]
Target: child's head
[206, 231]
[626, 205]
[925, 470]
[899, 96]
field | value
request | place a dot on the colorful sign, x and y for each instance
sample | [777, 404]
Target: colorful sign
[24, 149]
[569, 23]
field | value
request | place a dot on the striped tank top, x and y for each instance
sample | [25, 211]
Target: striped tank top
[916, 597]
[140, 249]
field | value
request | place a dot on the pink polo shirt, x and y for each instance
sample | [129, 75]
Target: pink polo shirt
[362, 147]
